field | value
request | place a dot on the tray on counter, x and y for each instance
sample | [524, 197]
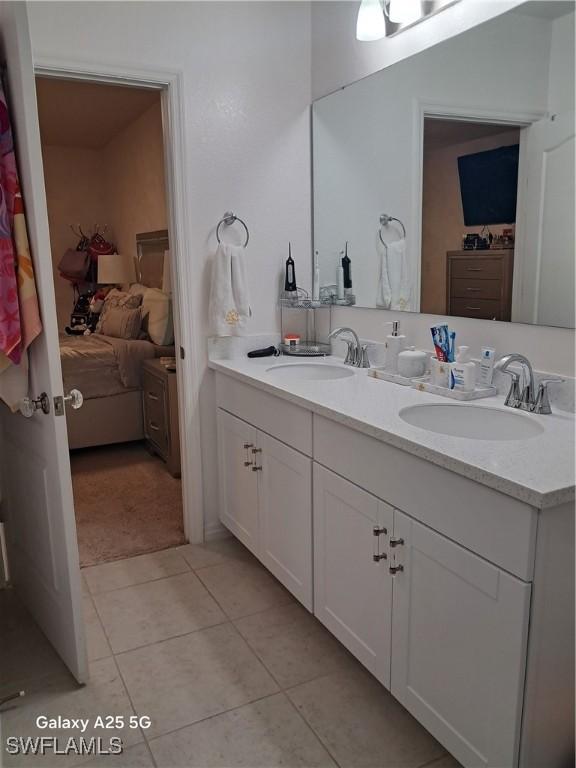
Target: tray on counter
[424, 384]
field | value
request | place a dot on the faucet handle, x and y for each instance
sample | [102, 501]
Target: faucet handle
[514, 396]
[350, 358]
[363, 359]
[542, 401]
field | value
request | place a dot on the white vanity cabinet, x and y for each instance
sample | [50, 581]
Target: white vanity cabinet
[266, 501]
[352, 589]
[459, 635]
[457, 597]
[238, 484]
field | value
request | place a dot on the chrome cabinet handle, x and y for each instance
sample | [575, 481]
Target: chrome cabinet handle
[474, 269]
[377, 531]
[396, 542]
[474, 290]
[248, 445]
[152, 396]
[256, 469]
[256, 450]
[154, 426]
[394, 569]
[474, 309]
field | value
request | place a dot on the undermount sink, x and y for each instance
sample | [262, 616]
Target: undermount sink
[471, 421]
[309, 372]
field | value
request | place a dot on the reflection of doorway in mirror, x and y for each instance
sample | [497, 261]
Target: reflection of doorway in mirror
[476, 282]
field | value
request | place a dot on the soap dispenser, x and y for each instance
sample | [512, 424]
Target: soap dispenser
[463, 371]
[395, 343]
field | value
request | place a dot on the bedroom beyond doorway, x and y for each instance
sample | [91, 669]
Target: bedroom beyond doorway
[103, 154]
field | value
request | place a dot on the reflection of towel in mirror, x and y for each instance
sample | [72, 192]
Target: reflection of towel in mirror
[229, 300]
[394, 285]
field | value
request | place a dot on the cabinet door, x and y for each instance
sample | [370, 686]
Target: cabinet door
[458, 645]
[238, 483]
[353, 592]
[285, 495]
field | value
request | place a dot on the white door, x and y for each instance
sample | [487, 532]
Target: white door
[545, 263]
[285, 496]
[35, 469]
[238, 481]
[352, 590]
[459, 645]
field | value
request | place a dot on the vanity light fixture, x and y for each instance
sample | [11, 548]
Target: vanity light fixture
[370, 24]
[385, 18]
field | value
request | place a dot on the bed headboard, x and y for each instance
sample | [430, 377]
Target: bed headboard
[150, 249]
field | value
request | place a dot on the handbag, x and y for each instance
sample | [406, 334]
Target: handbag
[74, 265]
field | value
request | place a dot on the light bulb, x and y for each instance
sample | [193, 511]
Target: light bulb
[404, 11]
[370, 24]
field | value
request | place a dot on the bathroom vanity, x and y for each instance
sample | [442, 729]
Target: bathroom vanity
[444, 564]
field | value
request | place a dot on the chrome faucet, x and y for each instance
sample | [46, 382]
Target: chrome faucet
[357, 353]
[522, 394]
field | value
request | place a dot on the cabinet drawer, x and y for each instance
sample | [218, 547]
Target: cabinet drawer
[155, 411]
[471, 288]
[497, 527]
[476, 266]
[485, 309]
[290, 423]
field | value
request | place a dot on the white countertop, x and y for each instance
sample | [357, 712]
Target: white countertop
[538, 471]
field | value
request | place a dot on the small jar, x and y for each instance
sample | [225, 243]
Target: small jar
[412, 363]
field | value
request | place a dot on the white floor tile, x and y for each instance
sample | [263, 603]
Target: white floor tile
[157, 610]
[134, 570]
[97, 645]
[187, 679]
[266, 734]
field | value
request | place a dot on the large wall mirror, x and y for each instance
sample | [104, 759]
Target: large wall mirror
[448, 178]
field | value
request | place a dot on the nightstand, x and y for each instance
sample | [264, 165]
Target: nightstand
[160, 405]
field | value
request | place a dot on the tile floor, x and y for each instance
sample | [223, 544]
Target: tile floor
[232, 671]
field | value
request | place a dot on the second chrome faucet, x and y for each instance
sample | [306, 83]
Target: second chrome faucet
[357, 353]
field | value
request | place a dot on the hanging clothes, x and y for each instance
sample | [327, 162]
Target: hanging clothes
[19, 313]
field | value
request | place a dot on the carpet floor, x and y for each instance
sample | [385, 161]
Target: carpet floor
[126, 503]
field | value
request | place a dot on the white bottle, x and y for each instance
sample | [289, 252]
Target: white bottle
[463, 371]
[316, 279]
[340, 280]
[395, 343]
[487, 356]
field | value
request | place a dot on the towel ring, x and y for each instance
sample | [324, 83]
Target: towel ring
[228, 219]
[385, 220]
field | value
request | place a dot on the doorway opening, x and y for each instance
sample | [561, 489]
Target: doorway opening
[469, 194]
[103, 154]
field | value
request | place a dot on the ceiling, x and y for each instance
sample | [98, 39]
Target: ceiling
[446, 133]
[76, 113]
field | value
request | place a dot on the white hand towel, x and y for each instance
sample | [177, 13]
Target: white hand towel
[384, 292]
[399, 275]
[229, 299]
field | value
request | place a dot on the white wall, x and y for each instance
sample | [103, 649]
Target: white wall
[338, 59]
[246, 70]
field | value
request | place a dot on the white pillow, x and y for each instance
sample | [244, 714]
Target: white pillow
[157, 314]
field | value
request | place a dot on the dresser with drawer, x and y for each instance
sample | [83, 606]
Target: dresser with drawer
[479, 284]
[160, 404]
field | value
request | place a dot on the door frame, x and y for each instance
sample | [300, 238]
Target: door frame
[186, 320]
[421, 110]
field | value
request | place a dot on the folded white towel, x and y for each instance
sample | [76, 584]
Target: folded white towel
[229, 299]
[398, 274]
[384, 292]
[394, 285]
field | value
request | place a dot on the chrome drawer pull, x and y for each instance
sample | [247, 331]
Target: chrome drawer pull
[247, 445]
[474, 290]
[154, 426]
[256, 469]
[379, 530]
[396, 542]
[380, 556]
[474, 309]
[394, 569]
[474, 269]
[152, 396]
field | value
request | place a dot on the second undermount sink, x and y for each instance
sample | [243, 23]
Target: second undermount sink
[471, 421]
[309, 372]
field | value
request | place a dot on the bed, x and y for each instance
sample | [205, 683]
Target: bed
[108, 372]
